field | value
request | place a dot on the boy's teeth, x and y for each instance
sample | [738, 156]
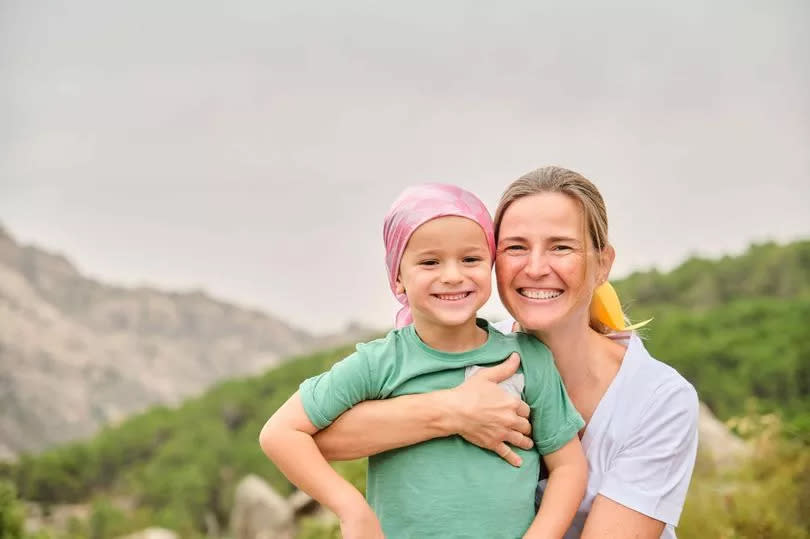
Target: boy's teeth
[453, 297]
[540, 294]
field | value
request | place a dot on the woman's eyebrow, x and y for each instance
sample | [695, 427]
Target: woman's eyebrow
[554, 239]
[550, 239]
[512, 238]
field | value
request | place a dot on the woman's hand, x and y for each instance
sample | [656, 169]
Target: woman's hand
[489, 417]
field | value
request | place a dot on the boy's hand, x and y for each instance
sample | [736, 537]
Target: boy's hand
[361, 523]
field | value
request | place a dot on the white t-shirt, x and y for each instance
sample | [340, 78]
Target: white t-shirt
[641, 441]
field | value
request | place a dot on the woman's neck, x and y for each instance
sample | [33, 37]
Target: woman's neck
[588, 363]
[453, 339]
[582, 355]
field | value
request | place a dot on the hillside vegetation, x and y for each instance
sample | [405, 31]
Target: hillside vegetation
[735, 327]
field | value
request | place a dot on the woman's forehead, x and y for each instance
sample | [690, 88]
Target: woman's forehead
[546, 214]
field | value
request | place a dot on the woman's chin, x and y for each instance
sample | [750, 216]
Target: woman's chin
[534, 327]
[534, 323]
[535, 317]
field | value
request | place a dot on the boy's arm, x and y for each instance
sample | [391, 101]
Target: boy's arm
[479, 410]
[287, 440]
[568, 476]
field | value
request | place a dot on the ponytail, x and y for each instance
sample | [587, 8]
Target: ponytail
[606, 311]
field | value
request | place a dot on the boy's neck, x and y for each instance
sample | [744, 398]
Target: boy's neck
[453, 339]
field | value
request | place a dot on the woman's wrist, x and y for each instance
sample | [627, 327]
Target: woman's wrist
[446, 412]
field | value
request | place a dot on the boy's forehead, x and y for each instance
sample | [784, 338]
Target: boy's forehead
[448, 231]
[449, 227]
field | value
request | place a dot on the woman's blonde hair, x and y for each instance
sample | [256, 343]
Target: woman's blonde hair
[568, 182]
[578, 187]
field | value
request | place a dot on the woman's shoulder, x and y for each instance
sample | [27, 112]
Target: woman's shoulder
[653, 382]
[504, 326]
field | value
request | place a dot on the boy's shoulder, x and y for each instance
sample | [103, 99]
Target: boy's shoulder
[384, 342]
[393, 342]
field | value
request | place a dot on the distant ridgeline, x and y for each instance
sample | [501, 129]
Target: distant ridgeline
[735, 327]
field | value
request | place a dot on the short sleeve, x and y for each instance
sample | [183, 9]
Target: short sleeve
[651, 472]
[554, 419]
[331, 393]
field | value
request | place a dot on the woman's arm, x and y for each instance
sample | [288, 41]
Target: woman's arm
[479, 410]
[611, 520]
[372, 427]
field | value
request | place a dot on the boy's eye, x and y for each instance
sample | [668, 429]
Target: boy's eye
[472, 259]
[428, 263]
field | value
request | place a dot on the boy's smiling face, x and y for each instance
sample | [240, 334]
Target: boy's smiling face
[446, 271]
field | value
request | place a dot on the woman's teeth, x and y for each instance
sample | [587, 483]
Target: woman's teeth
[452, 297]
[540, 294]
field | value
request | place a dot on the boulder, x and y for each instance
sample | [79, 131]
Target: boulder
[152, 533]
[302, 503]
[259, 512]
[724, 448]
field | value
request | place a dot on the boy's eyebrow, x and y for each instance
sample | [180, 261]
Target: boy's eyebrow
[470, 247]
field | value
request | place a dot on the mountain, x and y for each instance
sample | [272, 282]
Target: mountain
[76, 354]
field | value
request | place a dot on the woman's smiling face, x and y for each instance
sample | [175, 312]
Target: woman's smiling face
[546, 266]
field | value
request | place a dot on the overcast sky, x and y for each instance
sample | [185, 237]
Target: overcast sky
[252, 148]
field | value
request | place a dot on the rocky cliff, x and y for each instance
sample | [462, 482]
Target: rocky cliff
[76, 353]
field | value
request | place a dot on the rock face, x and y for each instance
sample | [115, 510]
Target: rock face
[76, 354]
[152, 533]
[259, 512]
[724, 448]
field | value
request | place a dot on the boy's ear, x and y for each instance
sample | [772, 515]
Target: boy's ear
[400, 287]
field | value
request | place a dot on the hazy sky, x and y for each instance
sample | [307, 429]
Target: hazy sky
[252, 148]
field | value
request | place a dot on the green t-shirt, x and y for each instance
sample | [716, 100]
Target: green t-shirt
[447, 487]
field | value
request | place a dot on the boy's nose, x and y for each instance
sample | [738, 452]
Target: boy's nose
[451, 273]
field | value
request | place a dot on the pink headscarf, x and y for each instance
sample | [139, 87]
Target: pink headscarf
[416, 206]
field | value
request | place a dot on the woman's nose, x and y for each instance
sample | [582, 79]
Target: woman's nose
[537, 264]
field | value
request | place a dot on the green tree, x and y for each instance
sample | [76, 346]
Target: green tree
[11, 513]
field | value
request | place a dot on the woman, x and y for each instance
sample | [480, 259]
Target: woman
[640, 437]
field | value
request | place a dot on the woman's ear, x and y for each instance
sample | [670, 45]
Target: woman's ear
[606, 258]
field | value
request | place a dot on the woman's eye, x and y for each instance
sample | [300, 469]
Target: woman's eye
[560, 248]
[514, 249]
